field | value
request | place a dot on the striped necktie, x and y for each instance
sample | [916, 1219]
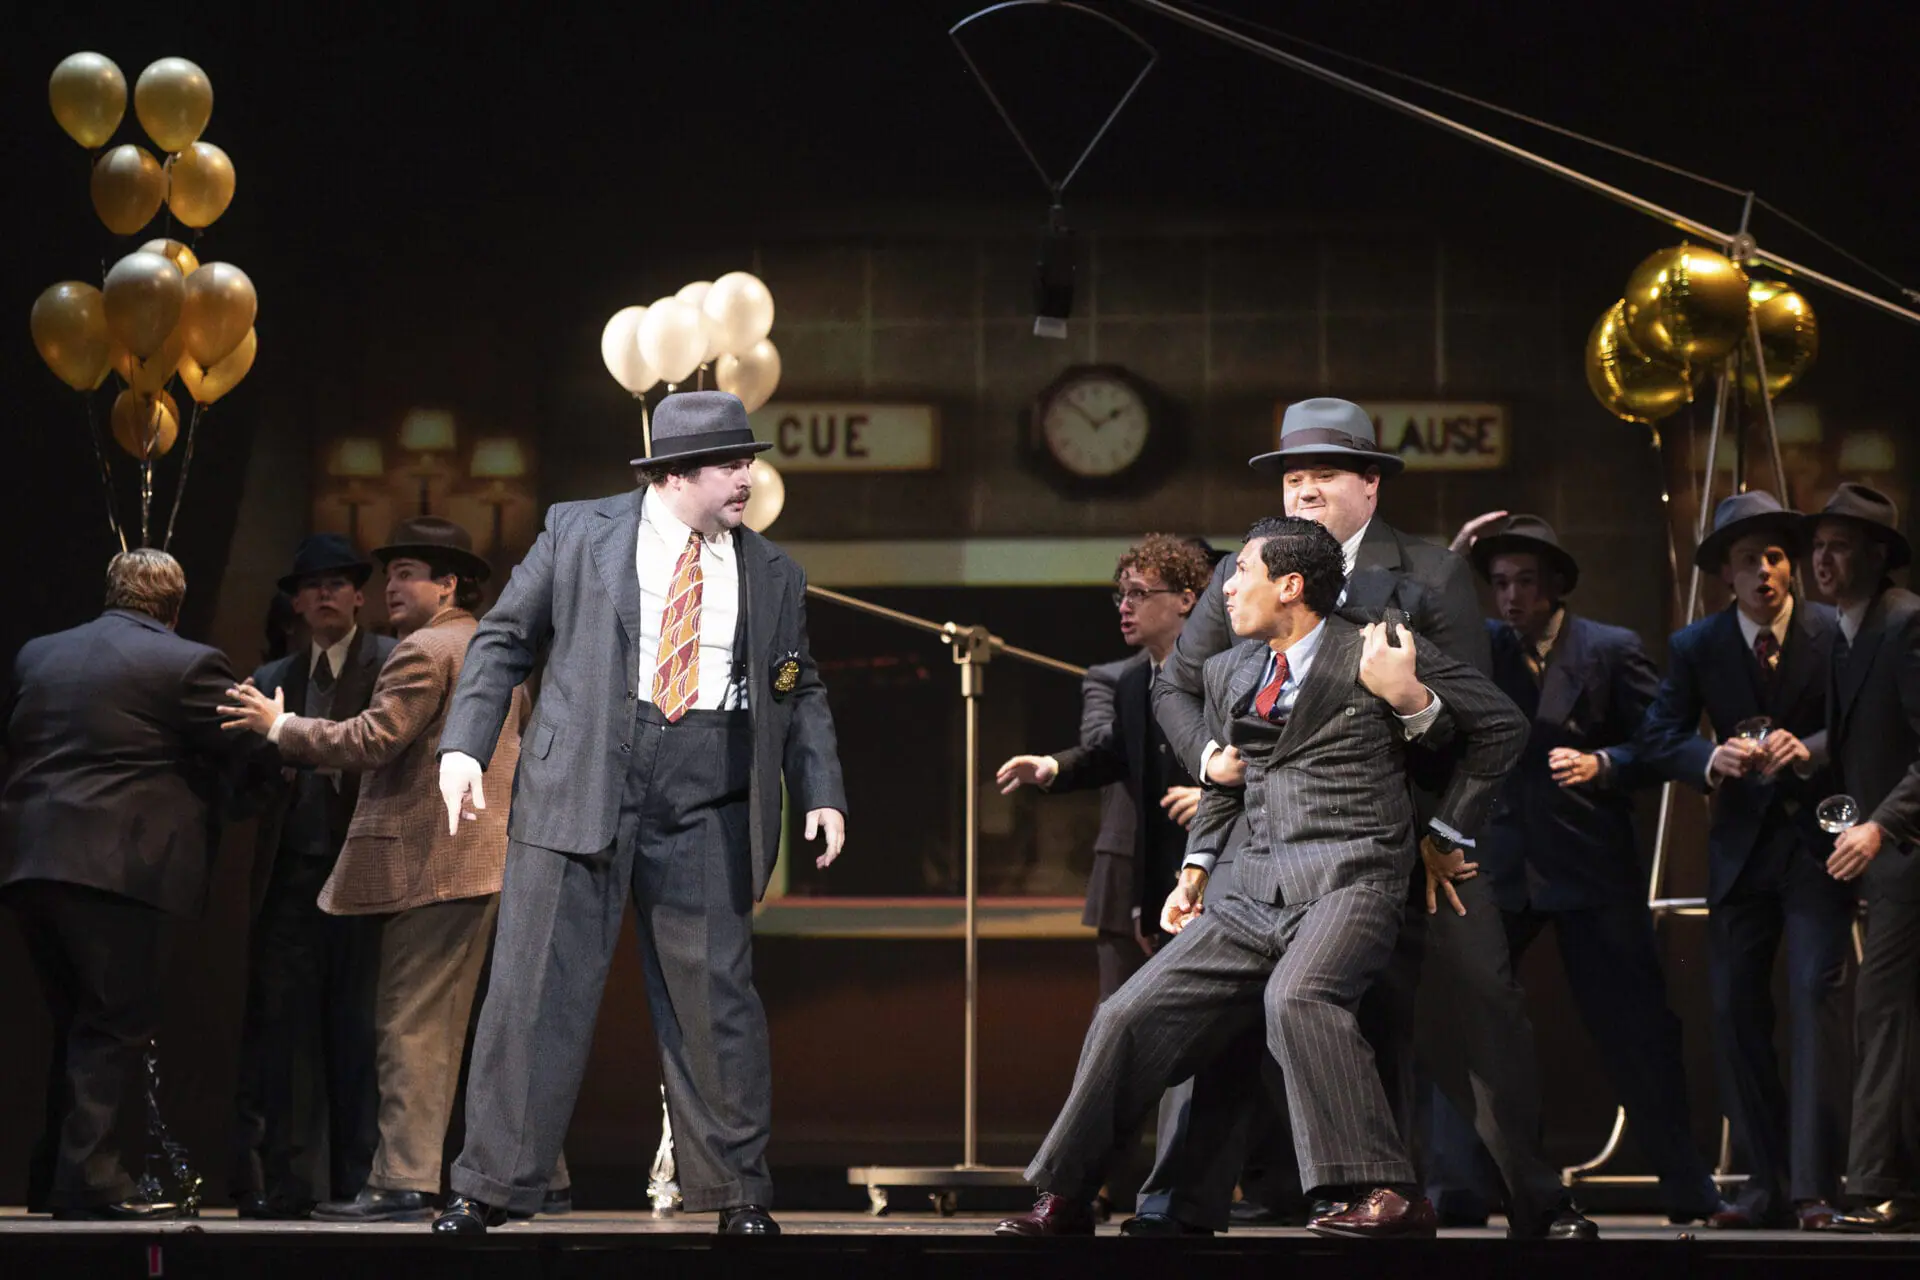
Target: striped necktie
[676, 677]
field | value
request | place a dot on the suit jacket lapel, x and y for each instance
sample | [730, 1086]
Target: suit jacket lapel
[1566, 672]
[1379, 548]
[299, 665]
[1853, 677]
[761, 597]
[616, 541]
[1329, 681]
[1800, 662]
[1736, 657]
[357, 674]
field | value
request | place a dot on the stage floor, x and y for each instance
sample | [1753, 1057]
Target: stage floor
[860, 1247]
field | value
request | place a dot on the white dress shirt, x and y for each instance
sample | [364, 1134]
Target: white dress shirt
[1851, 619]
[337, 660]
[663, 536]
[1749, 632]
[1350, 550]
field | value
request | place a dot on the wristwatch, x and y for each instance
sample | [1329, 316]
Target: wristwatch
[1442, 843]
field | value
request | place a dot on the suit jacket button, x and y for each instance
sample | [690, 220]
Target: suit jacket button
[625, 749]
[1349, 710]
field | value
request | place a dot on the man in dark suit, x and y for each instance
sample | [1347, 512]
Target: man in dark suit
[113, 747]
[1757, 671]
[678, 692]
[1873, 737]
[1456, 960]
[307, 1103]
[1108, 911]
[1321, 716]
[1561, 848]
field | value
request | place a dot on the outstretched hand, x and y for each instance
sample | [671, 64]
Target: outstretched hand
[251, 709]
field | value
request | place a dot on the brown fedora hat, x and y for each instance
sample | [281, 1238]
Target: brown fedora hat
[438, 541]
[1873, 509]
[1529, 534]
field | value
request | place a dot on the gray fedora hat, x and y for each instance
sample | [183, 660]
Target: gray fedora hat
[1872, 509]
[1525, 533]
[700, 426]
[1332, 432]
[1755, 511]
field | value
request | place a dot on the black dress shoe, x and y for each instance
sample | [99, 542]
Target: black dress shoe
[1563, 1223]
[1890, 1217]
[747, 1220]
[263, 1208]
[555, 1204]
[118, 1211]
[376, 1204]
[465, 1216]
[1160, 1224]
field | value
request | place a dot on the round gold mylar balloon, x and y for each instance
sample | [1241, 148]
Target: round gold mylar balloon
[220, 307]
[174, 100]
[208, 385]
[201, 184]
[1624, 380]
[143, 297]
[1686, 304]
[70, 333]
[178, 254]
[128, 186]
[145, 425]
[1789, 337]
[89, 96]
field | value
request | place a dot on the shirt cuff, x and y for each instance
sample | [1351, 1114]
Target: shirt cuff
[1422, 720]
[1450, 833]
[1204, 861]
[1136, 913]
[279, 723]
[1207, 753]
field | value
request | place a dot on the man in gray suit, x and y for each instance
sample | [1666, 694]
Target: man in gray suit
[678, 692]
[1321, 713]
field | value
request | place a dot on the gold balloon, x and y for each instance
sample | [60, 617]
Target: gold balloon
[201, 184]
[89, 97]
[753, 374]
[209, 384]
[1686, 304]
[70, 333]
[143, 297]
[1624, 380]
[176, 253]
[174, 100]
[220, 307]
[149, 375]
[1789, 337]
[145, 426]
[767, 498]
[128, 186]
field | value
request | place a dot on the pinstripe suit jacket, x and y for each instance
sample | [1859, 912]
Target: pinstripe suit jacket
[1327, 799]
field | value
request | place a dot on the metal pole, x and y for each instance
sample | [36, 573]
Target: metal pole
[1766, 400]
[970, 693]
[1672, 218]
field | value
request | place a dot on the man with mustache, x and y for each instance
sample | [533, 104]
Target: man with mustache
[678, 693]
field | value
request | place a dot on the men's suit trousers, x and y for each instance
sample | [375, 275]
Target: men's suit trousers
[681, 854]
[1883, 1160]
[101, 961]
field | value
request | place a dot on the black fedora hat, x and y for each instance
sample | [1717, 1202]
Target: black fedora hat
[700, 426]
[320, 553]
[1530, 534]
[1873, 509]
[1755, 511]
[1333, 432]
[438, 541]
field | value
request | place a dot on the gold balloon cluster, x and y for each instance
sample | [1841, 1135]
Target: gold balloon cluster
[160, 311]
[720, 323]
[1686, 309]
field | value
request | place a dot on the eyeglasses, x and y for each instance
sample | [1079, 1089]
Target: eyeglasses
[1137, 596]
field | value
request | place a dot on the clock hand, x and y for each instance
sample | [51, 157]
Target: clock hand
[1082, 412]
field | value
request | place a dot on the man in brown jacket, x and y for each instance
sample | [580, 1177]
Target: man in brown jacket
[439, 896]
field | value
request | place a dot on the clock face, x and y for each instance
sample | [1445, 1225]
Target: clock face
[1096, 425]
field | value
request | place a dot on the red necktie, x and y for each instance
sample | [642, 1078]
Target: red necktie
[1269, 697]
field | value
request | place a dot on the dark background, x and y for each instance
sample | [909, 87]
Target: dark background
[438, 201]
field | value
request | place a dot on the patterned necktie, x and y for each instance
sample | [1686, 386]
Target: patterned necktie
[1766, 651]
[676, 677]
[1269, 699]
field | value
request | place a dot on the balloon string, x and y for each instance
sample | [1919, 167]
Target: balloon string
[106, 469]
[154, 417]
[180, 484]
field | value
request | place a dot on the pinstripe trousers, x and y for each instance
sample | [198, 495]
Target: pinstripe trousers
[1303, 967]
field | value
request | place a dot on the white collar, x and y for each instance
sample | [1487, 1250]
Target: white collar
[673, 530]
[1749, 629]
[1547, 641]
[1853, 617]
[336, 653]
[1350, 549]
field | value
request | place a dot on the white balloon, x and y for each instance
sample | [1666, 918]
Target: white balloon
[620, 349]
[694, 295]
[740, 308]
[671, 339]
[753, 375]
[767, 498]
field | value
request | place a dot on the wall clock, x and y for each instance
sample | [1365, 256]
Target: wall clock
[1098, 428]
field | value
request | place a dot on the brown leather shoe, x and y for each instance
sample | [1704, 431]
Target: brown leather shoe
[1051, 1216]
[1900, 1217]
[1381, 1215]
[1815, 1215]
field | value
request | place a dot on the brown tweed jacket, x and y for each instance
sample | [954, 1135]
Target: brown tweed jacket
[398, 853]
